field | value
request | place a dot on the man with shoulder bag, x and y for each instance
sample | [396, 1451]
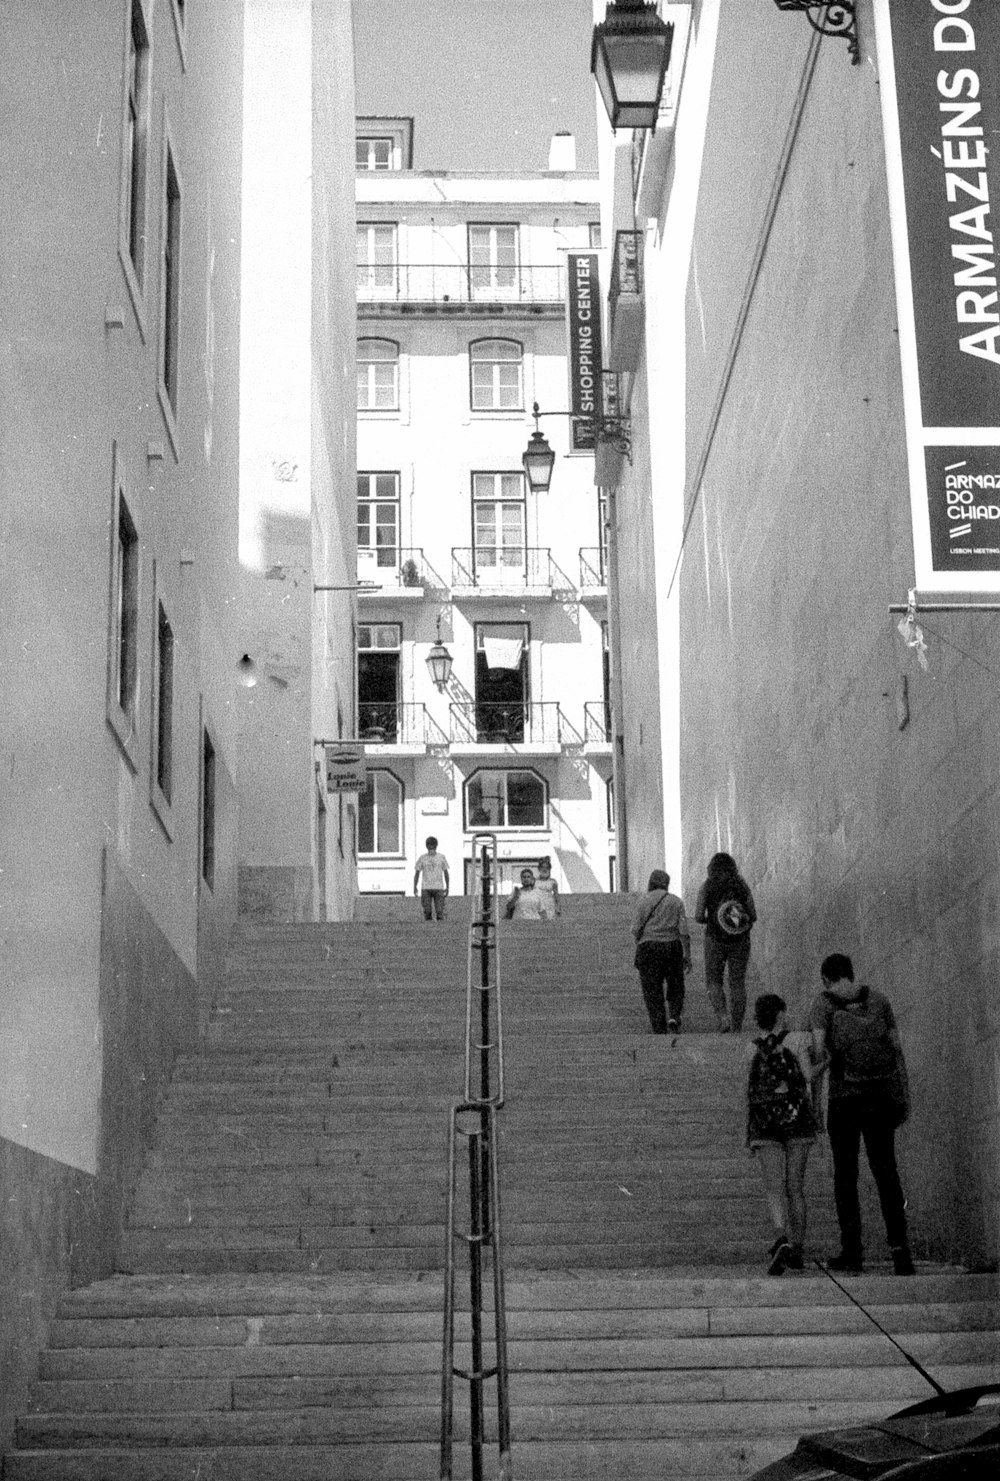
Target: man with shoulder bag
[854, 1028]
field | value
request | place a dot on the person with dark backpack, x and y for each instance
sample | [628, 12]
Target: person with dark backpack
[726, 909]
[781, 1126]
[868, 1100]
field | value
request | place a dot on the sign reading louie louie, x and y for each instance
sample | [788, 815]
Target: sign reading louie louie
[583, 323]
[940, 72]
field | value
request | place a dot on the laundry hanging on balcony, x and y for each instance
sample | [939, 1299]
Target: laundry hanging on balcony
[503, 653]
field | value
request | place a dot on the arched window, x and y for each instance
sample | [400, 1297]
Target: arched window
[378, 375]
[380, 814]
[495, 375]
[505, 799]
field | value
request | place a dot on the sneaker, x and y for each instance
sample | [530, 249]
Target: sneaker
[724, 1026]
[779, 1253]
[845, 1263]
[902, 1260]
[794, 1259]
[673, 1025]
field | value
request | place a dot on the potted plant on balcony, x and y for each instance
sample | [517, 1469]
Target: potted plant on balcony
[409, 573]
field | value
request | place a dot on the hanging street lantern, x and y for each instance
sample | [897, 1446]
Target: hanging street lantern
[439, 662]
[629, 58]
[538, 459]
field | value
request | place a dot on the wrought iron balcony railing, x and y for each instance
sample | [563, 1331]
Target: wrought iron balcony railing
[395, 567]
[455, 282]
[535, 722]
[593, 567]
[399, 724]
[596, 721]
[516, 566]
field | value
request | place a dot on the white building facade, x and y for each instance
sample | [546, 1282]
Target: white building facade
[461, 328]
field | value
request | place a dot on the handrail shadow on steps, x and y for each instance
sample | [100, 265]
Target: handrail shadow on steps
[474, 1118]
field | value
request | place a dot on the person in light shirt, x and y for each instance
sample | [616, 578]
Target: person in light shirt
[525, 902]
[433, 889]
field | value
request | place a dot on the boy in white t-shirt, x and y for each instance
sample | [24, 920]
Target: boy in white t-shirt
[434, 868]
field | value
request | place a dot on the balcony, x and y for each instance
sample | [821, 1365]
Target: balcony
[396, 572]
[386, 289]
[626, 312]
[508, 573]
[597, 727]
[401, 729]
[533, 727]
[593, 574]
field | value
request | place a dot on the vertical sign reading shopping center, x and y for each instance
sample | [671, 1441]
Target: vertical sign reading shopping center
[583, 321]
[939, 63]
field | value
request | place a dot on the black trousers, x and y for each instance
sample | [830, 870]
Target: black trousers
[661, 963]
[870, 1117]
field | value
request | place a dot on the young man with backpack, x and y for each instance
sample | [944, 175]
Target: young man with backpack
[781, 1126]
[854, 1027]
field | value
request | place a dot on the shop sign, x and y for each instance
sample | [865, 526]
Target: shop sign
[345, 769]
[585, 355]
[939, 64]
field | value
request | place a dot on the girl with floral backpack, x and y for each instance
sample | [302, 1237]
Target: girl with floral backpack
[781, 1125]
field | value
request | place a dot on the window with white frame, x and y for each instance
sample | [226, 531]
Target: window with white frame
[594, 235]
[136, 138]
[378, 517]
[376, 257]
[374, 154]
[498, 521]
[505, 799]
[493, 260]
[380, 815]
[378, 375]
[496, 375]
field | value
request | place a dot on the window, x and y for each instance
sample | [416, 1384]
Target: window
[606, 679]
[495, 377]
[611, 803]
[374, 154]
[136, 134]
[171, 282]
[602, 532]
[502, 699]
[376, 254]
[163, 718]
[594, 235]
[378, 519]
[207, 809]
[498, 524]
[384, 143]
[505, 799]
[379, 645]
[380, 814]
[493, 260]
[123, 659]
[378, 375]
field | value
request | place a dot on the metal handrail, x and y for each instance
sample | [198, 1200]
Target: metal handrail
[485, 722]
[454, 282]
[597, 720]
[475, 1119]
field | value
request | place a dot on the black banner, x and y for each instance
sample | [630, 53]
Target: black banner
[947, 64]
[583, 323]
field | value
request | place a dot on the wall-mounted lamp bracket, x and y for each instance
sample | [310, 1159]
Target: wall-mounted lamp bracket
[830, 19]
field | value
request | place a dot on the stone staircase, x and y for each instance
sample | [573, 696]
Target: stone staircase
[279, 1308]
